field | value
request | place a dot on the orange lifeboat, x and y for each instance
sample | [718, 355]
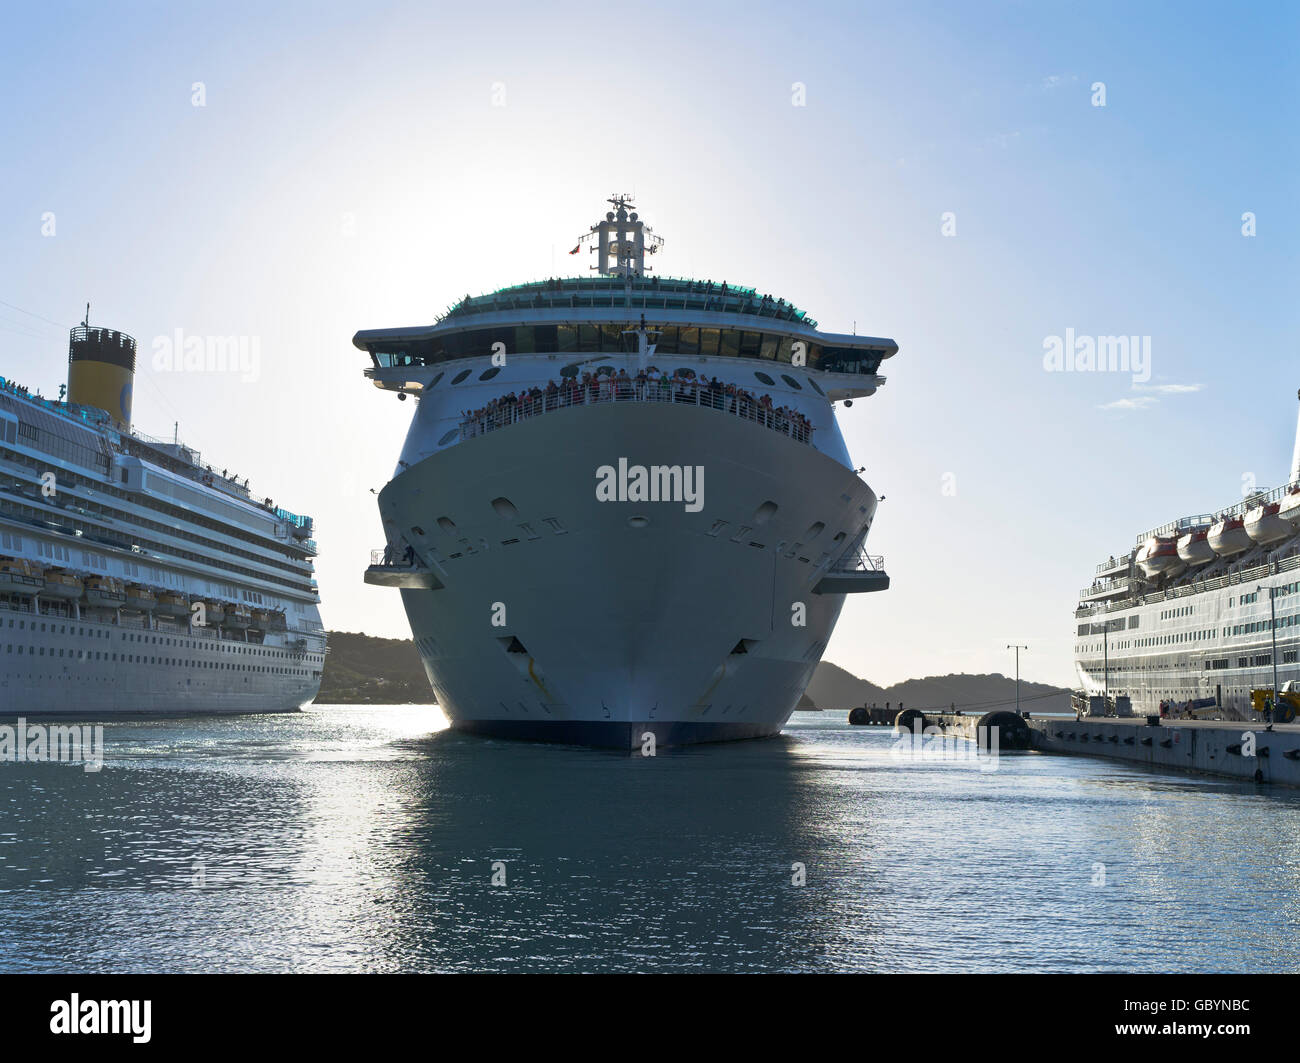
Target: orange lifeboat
[1159, 557]
[1289, 508]
[20, 576]
[1228, 537]
[1265, 527]
[174, 605]
[140, 599]
[105, 592]
[1194, 547]
[60, 583]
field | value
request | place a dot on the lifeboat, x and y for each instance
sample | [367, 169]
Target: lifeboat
[1264, 526]
[1228, 537]
[238, 616]
[104, 592]
[1194, 547]
[1159, 557]
[140, 599]
[262, 619]
[216, 612]
[60, 583]
[1289, 509]
[171, 604]
[18, 576]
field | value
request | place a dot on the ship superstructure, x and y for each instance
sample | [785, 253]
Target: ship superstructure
[624, 505]
[135, 577]
[1201, 611]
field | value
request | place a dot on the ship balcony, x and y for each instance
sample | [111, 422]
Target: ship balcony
[736, 403]
[1100, 592]
[409, 574]
[856, 573]
[1115, 566]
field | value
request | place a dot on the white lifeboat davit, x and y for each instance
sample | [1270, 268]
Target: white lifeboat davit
[1289, 508]
[1159, 557]
[1264, 526]
[1194, 547]
[1228, 537]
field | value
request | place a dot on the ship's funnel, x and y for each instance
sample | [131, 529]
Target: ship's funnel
[101, 371]
[1295, 455]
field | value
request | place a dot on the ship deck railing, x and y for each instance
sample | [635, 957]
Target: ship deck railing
[1207, 520]
[1196, 586]
[742, 406]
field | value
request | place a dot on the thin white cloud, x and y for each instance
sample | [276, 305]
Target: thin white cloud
[1139, 403]
[1169, 389]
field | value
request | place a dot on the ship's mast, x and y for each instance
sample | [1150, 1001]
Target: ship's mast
[1295, 454]
[623, 241]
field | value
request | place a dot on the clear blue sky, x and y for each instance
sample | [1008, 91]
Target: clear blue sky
[350, 170]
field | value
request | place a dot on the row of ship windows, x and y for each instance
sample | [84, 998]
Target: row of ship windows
[1254, 661]
[618, 339]
[149, 502]
[1257, 660]
[125, 658]
[29, 515]
[1234, 630]
[158, 640]
[1244, 599]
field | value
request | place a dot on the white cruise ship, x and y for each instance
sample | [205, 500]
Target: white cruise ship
[135, 578]
[624, 505]
[1200, 611]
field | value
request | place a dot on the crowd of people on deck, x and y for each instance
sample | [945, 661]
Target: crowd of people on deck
[647, 385]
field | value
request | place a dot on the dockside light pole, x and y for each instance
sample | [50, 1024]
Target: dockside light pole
[1272, 625]
[1017, 648]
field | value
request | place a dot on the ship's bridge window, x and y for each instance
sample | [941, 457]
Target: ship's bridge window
[764, 378]
[489, 373]
[461, 376]
[815, 386]
[791, 381]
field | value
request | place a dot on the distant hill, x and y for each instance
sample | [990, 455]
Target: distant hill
[361, 670]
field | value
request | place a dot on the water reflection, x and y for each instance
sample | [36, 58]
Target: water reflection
[366, 839]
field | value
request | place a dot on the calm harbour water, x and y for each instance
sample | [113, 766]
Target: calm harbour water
[364, 838]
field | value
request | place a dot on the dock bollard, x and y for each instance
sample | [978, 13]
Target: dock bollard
[907, 720]
[1013, 732]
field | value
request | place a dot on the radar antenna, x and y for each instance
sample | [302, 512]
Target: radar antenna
[621, 241]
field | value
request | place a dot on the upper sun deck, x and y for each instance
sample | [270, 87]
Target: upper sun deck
[597, 315]
[642, 293]
[616, 312]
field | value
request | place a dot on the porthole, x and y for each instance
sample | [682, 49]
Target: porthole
[764, 378]
[505, 509]
[764, 512]
[638, 522]
[434, 382]
[461, 376]
[489, 372]
[792, 382]
[816, 387]
[446, 524]
[814, 531]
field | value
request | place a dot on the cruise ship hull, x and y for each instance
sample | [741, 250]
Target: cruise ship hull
[556, 616]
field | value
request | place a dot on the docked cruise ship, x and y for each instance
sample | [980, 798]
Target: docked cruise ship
[624, 506]
[135, 577]
[1201, 610]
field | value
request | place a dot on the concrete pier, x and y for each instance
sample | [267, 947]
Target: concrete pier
[1237, 749]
